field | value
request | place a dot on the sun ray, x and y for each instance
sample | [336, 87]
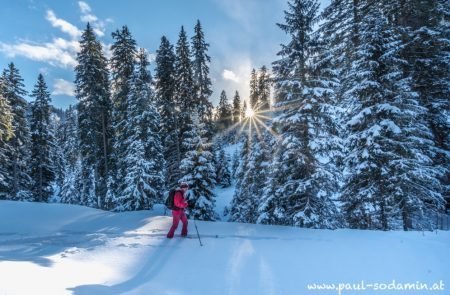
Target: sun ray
[277, 136]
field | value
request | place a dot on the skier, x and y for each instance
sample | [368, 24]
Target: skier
[178, 211]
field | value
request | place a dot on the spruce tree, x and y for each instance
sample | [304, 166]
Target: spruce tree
[202, 81]
[389, 142]
[263, 90]
[242, 204]
[198, 172]
[57, 119]
[235, 163]
[6, 133]
[425, 33]
[94, 119]
[165, 97]
[144, 177]
[18, 153]
[122, 63]
[185, 87]
[303, 169]
[71, 187]
[42, 143]
[254, 91]
[237, 108]
[224, 112]
[223, 173]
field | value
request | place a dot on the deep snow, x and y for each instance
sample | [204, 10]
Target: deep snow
[66, 249]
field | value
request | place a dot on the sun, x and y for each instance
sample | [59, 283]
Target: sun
[249, 113]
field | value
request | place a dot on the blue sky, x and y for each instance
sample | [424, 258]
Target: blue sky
[42, 36]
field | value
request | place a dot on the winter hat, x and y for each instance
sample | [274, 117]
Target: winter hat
[184, 184]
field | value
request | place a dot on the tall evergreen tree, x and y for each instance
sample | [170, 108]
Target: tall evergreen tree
[57, 156]
[6, 133]
[390, 145]
[69, 141]
[18, 157]
[254, 91]
[42, 143]
[223, 173]
[185, 87]
[144, 179]
[184, 90]
[94, 119]
[242, 209]
[304, 171]
[253, 179]
[122, 62]
[237, 108]
[244, 109]
[165, 96]
[198, 172]
[202, 81]
[425, 33]
[224, 112]
[263, 90]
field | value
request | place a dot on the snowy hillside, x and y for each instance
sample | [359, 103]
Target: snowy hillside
[65, 249]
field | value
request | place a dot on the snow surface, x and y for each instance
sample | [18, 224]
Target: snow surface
[67, 249]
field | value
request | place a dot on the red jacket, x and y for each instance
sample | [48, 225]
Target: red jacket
[179, 201]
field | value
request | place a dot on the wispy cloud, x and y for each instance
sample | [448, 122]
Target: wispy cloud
[98, 25]
[60, 52]
[63, 87]
[65, 26]
[230, 75]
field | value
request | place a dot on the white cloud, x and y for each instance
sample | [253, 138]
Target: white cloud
[56, 53]
[60, 52]
[84, 7]
[63, 87]
[65, 26]
[230, 75]
[99, 26]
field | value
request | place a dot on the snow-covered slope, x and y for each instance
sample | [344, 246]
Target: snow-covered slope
[64, 249]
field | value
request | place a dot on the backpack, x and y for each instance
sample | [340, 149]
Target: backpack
[170, 200]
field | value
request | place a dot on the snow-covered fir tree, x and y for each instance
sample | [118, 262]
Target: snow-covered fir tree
[254, 179]
[244, 110]
[144, 178]
[165, 97]
[94, 119]
[223, 173]
[263, 90]
[42, 143]
[237, 108]
[254, 90]
[6, 133]
[305, 177]
[425, 27]
[57, 151]
[68, 140]
[198, 171]
[234, 163]
[184, 90]
[391, 177]
[184, 76]
[18, 156]
[122, 63]
[242, 206]
[71, 188]
[202, 81]
[224, 112]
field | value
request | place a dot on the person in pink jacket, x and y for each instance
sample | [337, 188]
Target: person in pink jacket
[178, 213]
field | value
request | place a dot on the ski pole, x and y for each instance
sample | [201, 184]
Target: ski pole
[198, 235]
